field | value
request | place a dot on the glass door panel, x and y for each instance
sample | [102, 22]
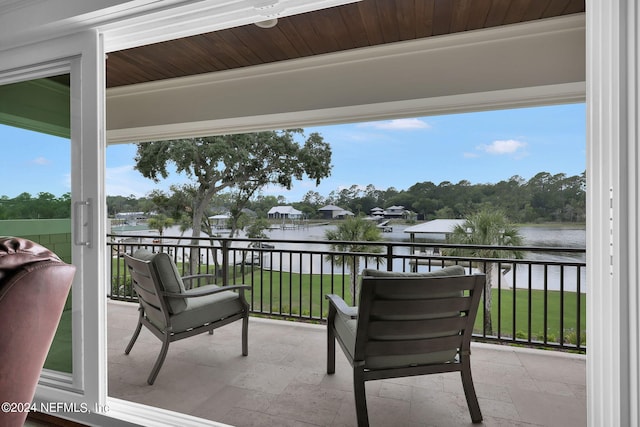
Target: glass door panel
[35, 197]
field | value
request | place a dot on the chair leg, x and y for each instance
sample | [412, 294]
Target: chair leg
[159, 360]
[134, 337]
[245, 335]
[360, 396]
[331, 350]
[469, 391]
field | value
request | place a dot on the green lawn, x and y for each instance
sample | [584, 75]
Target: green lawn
[303, 295]
[273, 289]
[60, 357]
[535, 316]
[296, 294]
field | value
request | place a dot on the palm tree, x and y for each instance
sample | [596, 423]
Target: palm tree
[487, 227]
[352, 232]
[160, 223]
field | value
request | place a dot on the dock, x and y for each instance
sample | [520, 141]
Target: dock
[385, 227]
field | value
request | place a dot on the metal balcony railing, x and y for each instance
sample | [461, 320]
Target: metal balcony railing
[539, 300]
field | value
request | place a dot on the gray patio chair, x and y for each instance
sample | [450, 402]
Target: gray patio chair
[407, 324]
[172, 312]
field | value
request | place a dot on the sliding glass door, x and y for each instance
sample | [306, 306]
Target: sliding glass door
[35, 198]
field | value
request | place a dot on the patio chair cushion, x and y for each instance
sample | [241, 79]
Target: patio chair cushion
[168, 275]
[346, 327]
[452, 270]
[200, 310]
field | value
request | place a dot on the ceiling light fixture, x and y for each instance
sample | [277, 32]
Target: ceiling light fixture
[195, 17]
[269, 23]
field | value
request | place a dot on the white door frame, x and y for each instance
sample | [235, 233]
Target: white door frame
[613, 212]
[80, 56]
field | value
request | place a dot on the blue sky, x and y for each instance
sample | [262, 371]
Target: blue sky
[33, 163]
[482, 147]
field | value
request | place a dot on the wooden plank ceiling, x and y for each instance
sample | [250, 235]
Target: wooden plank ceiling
[356, 25]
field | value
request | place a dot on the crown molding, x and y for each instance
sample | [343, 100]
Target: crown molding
[202, 17]
[8, 6]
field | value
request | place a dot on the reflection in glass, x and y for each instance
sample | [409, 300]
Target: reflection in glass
[35, 201]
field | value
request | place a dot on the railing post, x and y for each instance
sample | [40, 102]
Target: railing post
[225, 262]
[389, 257]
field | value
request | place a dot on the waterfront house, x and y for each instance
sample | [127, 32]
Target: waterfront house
[394, 212]
[334, 212]
[219, 221]
[286, 212]
[130, 218]
[376, 212]
[125, 79]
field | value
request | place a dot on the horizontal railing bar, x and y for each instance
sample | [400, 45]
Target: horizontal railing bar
[376, 255]
[365, 243]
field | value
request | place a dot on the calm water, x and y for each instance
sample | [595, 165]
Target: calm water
[553, 236]
[567, 237]
[569, 278]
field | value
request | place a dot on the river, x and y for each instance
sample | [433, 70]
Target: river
[567, 278]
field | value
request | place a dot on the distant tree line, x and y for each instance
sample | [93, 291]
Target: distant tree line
[543, 198]
[44, 205]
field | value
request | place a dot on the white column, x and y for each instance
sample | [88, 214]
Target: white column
[613, 239]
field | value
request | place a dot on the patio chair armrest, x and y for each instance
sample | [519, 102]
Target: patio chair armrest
[200, 293]
[197, 276]
[341, 306]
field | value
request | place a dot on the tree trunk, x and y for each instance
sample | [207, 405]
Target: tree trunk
[488, 271]
[196, 227]
[355, 269]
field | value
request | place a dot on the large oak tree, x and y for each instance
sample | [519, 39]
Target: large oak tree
[242, 162]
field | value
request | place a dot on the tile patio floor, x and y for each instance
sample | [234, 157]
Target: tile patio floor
[283, 382]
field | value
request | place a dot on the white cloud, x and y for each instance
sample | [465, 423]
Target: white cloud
[66, 182]
[398, 124]
[509, 146]
[125, 180]
[41, 161]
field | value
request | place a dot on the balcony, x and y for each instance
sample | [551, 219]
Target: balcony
[537, 301]
[282, 382]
